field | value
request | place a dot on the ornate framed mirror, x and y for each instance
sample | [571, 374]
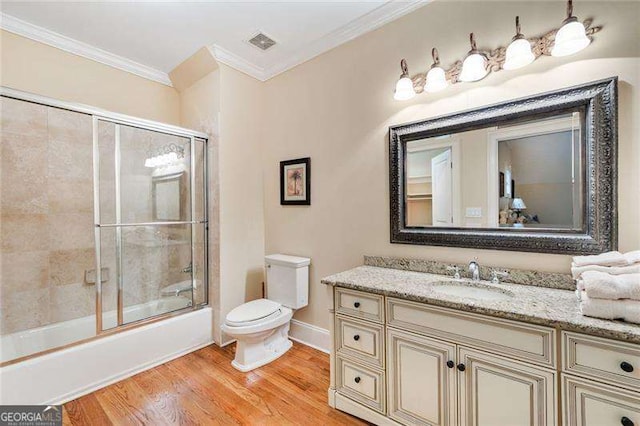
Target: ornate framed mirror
[533, 174]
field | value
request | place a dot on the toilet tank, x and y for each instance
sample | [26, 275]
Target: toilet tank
[288, 280]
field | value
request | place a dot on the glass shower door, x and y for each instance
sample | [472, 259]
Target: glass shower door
[151, 222]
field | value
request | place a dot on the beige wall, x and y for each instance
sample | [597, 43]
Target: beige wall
[44, 70]
[337, 108]
[229, 105]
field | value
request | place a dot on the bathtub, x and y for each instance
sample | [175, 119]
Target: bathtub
[68, 373]
[23, 343]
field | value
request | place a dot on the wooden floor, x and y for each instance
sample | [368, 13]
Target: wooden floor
[203, 388]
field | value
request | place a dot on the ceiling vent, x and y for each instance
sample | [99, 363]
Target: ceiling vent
[262, 41]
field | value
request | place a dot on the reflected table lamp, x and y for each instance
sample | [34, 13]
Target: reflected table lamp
[517, 205]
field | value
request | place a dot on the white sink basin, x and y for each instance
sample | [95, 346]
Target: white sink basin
[471, 291]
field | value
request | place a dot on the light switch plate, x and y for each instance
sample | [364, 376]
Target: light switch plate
[474, 212]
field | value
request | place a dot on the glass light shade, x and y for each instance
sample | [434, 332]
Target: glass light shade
[570, 39]
[518, 204]
[474, 68]
[404, 89]
[436, 80]
[518, 55]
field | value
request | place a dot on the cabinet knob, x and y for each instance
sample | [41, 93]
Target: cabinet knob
[451, 364]
[626, 421]
[356, 337]
[625, 366]
[461, 367]
[356, 305]
[357, 380]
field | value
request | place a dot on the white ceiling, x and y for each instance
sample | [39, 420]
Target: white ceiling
[153, 37]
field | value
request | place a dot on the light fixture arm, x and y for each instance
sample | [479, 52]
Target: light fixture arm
[472, 41]
[404, 68]
[436, 58]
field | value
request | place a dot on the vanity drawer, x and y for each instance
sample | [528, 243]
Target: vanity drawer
[601, 359]
[586, 403]
[509, 338]
[362, 384]
[360, 304]
[359, 339]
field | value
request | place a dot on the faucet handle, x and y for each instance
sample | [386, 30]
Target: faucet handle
[456, 270]
[495, 274]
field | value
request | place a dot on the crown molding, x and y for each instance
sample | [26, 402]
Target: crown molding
[42, 35]
[376, 18]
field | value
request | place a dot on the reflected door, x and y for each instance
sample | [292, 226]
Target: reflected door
[441, 188]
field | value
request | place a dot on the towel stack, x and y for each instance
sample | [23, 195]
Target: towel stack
[609, 285]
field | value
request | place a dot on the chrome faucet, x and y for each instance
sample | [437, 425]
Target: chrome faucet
[188, 269]
[474, 268]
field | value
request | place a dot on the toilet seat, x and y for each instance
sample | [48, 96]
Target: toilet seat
[253, 312]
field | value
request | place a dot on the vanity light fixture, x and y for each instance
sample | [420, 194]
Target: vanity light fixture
[404, 86]
[474, 67]
[436, 79]
[571, 37]
[519, 52]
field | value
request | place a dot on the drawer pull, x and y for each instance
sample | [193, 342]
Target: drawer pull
[356, 304]
[451, 364]
[461, 367]
[357, 380]
[356, 337]
[626, 421]
[625, 366]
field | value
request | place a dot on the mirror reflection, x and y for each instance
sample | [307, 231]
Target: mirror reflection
[516, 175]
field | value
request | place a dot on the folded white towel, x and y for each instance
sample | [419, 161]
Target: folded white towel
[632, 257]
[610, 258]
[627, 310]
[577, 271]
[599, 285]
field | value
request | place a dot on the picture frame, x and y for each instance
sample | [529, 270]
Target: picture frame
[295, 182]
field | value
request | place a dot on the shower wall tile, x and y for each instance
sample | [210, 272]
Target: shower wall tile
[70, 196]
[23, 118]
[69, 160]
[20, 233]
[23, 174]
[72, 301]
[68, 266]
[70, 126]
[23, 310]
[70, 231]
[22, 271]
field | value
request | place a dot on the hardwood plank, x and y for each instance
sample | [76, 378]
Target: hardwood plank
[202, 388]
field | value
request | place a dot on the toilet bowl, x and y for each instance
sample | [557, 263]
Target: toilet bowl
[261, 328]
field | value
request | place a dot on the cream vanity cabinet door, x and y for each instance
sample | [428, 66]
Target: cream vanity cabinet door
[497, 391]
[421, 379]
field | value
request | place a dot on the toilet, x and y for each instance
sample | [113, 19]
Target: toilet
[261, 327]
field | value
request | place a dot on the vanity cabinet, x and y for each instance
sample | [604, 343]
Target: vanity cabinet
[397, 361]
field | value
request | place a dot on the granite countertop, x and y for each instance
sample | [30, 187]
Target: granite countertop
[536, 305]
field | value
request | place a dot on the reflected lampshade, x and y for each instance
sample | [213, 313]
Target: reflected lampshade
[518, 204]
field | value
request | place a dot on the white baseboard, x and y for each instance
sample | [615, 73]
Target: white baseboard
[310, 335]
